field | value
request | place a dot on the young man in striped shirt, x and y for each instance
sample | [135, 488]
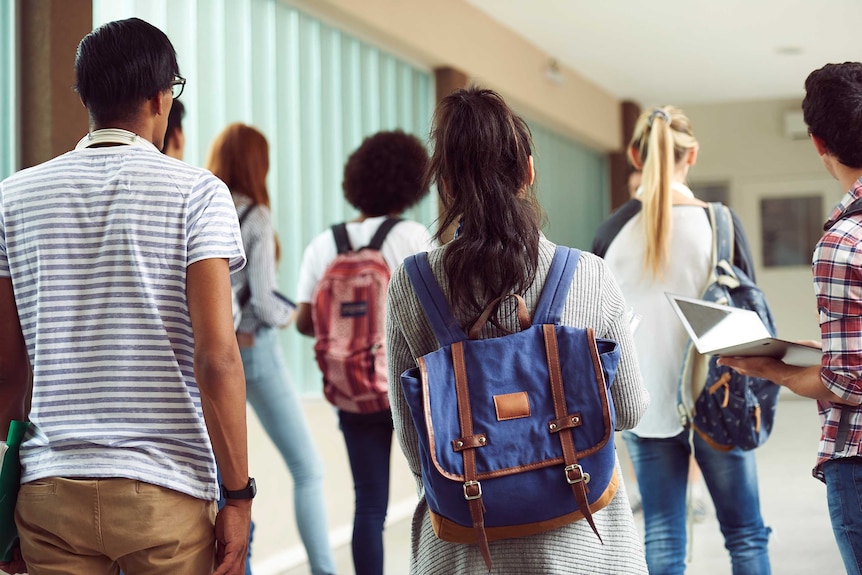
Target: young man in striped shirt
[833, 112]
[115, 290]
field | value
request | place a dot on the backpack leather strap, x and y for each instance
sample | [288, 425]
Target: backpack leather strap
[575, 474]
[523, 315]
[472, 487]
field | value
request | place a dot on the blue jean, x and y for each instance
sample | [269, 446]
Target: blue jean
[277, 404]
[368, 437]
[661, 467]
[844, 495]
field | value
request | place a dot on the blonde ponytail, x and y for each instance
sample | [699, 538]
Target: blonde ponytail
[661, 139]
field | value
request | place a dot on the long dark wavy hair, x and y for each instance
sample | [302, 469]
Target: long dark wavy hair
[481, 166]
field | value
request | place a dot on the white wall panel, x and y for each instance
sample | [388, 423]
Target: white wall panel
[572, 187]
[8, 95]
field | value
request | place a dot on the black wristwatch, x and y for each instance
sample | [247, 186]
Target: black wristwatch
[248, 492]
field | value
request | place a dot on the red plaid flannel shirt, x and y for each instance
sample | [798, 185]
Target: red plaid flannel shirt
[837, 268]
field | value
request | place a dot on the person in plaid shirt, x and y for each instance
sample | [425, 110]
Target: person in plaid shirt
[833, 112]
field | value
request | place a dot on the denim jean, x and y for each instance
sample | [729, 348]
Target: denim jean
[844, 495]
[368, 437]
[662, 466]
[277, 404]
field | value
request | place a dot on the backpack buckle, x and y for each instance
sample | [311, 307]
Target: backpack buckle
[472, 490]
[575, 474]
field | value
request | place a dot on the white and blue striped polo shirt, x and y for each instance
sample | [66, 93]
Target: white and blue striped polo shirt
[97, 243]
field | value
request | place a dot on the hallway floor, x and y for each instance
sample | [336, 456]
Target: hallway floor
[793, 504]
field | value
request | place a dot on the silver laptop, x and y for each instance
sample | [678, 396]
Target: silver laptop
[723, 330]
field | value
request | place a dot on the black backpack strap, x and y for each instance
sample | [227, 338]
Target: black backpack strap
[610, 228]
[380, 236]
[852, 210]
[342, 240]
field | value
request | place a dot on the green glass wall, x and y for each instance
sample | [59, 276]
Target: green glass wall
[314, 90]
[572, 185]
[8, 97]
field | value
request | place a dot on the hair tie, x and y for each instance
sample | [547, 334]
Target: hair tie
[660, 113]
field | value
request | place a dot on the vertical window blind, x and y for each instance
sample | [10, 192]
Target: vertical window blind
[572, 185]
[315, 91]
[8, 95]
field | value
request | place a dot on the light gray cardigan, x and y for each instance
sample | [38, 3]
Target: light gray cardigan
[594, 301]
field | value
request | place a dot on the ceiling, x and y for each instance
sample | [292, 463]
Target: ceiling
[689, 51]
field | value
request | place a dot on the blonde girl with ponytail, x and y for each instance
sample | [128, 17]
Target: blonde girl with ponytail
[660, 241]
[665, 132]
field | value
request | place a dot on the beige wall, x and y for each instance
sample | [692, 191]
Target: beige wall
[744, 144]
[454, 33]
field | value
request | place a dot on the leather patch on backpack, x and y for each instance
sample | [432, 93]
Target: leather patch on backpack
[512, 405]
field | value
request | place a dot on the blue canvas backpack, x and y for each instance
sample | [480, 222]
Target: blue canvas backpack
[515, 432]
[724, 407]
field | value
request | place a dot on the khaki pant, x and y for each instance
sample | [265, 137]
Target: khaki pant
[99, 526]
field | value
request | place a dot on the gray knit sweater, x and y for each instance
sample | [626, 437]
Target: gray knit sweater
[594, 301]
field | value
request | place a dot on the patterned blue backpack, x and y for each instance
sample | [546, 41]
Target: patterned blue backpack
[515, 432]
[724, 407]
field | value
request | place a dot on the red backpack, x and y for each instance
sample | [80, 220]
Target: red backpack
[348, 308]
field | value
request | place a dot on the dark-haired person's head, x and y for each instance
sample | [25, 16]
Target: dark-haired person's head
[386, 174]
[482, 155]
[483, 167]
[832, 109]
[121, 65]
[175, 141]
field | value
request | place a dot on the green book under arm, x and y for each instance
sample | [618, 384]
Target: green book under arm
[10, 480]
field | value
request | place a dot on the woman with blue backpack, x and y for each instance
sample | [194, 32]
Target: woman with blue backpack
[500, 262]
[661, 241]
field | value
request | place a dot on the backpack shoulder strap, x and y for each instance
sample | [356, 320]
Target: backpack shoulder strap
[722, 229]
[380, 236]
[853, 209]
[246, 214]
[557, 284]
[342, 240]
[433, 302]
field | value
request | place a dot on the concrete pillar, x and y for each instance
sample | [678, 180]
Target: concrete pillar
[52, 117]
[446, 81]
[619, 164]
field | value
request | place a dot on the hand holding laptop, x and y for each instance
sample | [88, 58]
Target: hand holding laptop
[733, 332]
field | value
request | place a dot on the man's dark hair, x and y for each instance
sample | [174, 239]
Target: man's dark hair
[175, 122]
[120, 65]
[832, 109]
[386, 174]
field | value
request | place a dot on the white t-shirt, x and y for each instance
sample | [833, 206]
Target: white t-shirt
[660, 338]
[405, 239]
